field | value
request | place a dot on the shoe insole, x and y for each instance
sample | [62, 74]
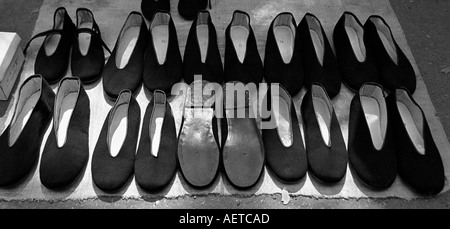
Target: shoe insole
[414, 131]
[203, 40]
[318, 45]
[372, 113]
[285, 41]
[126, 46]
[118, 129]
[239, 35]
[52, 41]
[84, 39]
[323, 115]
[157, 120]
[283, 120]
[25, 108]
[65, 114]
[160, 34]
[356, 43]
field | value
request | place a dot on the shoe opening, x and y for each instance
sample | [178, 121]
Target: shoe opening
[284, 31]
[355, 34]
[85, 19]
[128, 39]
[323, 110]
[375, 111]
[160, 34]
[239, 32]
[203, 34]
[317, 37]
[118, 123]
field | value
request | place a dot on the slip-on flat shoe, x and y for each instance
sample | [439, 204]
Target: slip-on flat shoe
[371, 143]
[319, 62]
[355, 59]
[394, 68]
[88, 57]
[242, 60]
[66, 151]
[325, 146]
[188, 9]
[198, 152]
[55, 50]
[113, 158]
[21, 140]
[418, 160]
[202, 56]
[124, 68]
[149, 7]
[283, 59]
[243, 149]
[163, 66]
[283, 144]
[156, 159]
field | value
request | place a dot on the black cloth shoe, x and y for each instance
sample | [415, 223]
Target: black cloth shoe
[88, 57]
[325, 146]
[243, 149]
[286, 160]
[418, 159]
[125, 65]
[188, 9]
[371, 144]
[202, 56]
[319, 62]
[149, 7]
[242, 60]
[112, 164]
[394, 68]
[156, 159]
[55, 50]
[67, 150]
[163, 66]
[355, 59]
[283, 59]
[21, 141]
[198, 152]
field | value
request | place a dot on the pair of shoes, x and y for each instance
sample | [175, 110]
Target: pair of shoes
[201, 152]
[115, 159]
[186, 8]
[300, 54]
[20, 142]
[84, 39]
[325, 153]
[370, 53]
[66, 151]
[391, 135]
[142, 55]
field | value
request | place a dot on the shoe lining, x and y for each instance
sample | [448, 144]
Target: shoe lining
[128, 40]
[323, 110]
[86, 20]
[157, 120]
[283, 117]
[374, 107]
[355, 34]
[160, 35]
[66, 100]
[317, 37]
[386, 38]
[51, 42]
[239, 32]
[203, 34]
[412, 119]
[28, 98]
[284, 31]
[118, 124]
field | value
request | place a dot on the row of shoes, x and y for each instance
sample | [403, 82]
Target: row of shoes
[296, 56]
[387, 136]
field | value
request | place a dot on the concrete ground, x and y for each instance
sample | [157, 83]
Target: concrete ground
[425, 24]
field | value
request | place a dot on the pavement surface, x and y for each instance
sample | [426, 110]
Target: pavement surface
[425, 24]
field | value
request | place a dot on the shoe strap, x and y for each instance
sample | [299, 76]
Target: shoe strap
[95, 34]
[43, 34]
[158, 113]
